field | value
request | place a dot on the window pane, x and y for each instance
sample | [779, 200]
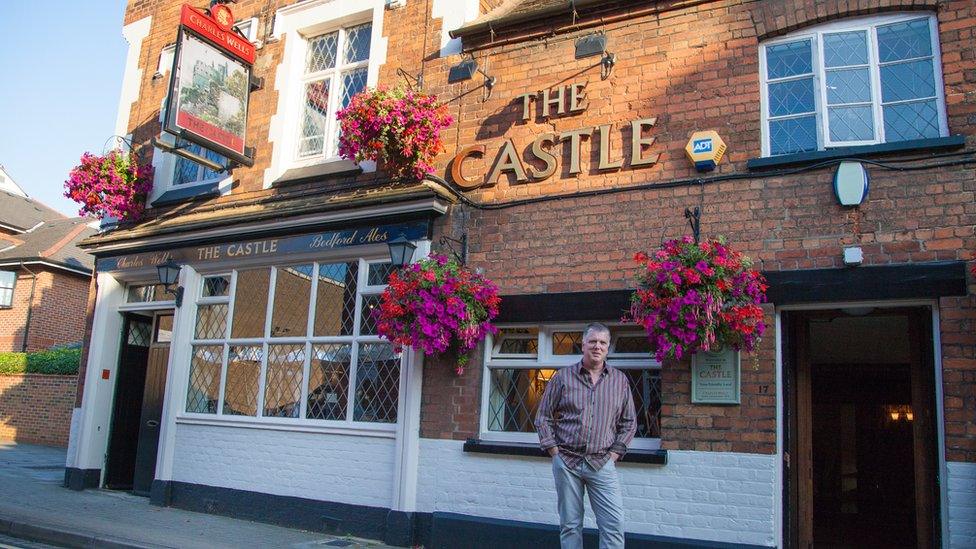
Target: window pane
[283, 383]
[251, 302]
[645, 386]
[147, 292]
[793, 97]
[6, 297]
[793, 135]
[379, 273]
[293, 289]
[848, 86]
[905, 121]
[186, 171]
[905, 40]
[328, 384]
[377, 383]
[517, 341]
[636, 344]
[353, 82]
[164, 329]
[514, 398]
[789, 59]
[312, 135]
[357, 43]
[844, 49]
[211, 321]
[321, 52]
[368, 322]
[911, 80]
[567, 343]
[216, 286]
[139, 333]
[243, 371]
[204, 386]
[850, 123]
[335, 299]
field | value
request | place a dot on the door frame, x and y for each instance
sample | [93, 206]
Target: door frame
[781, 515]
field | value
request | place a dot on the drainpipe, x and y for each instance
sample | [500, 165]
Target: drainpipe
[30, 306]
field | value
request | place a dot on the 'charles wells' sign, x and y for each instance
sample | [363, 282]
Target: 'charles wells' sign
[562, 100]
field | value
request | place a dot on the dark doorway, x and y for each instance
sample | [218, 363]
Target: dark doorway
[861, 449]
[137, 410]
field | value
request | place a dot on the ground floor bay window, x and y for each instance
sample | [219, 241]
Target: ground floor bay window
[520, 360]
[295, 344]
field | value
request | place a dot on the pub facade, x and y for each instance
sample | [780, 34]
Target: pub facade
[831, 141]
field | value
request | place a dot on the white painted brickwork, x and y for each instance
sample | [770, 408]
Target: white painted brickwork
[961, 488]
[699, 495]
[321, 466]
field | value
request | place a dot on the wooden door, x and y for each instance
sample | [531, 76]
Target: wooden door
[152, 406]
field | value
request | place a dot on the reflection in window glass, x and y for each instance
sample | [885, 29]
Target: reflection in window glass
[335, 300]
[377, 383]
[251, 303]
[211, 321]
[283, 384]
[293, 289]
[216, 286]
[328, 386]
[204, 387]
[379, 273]
[517, 341]
[567, 343]
[243, 373]
[146, 293]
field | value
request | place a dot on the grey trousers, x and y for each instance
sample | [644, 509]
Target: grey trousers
[605, 499]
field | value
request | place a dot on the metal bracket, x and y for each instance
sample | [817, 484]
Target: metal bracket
[256, 83]
[462, 257]
[694, 219]
[416, 82]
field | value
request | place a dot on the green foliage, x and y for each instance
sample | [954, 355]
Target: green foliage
[63, 361]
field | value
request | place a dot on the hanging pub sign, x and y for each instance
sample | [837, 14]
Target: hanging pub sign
[210, 83]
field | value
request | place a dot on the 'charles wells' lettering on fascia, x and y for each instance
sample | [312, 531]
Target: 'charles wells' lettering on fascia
[558, 101]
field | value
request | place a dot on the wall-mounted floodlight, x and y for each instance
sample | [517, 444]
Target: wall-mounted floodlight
[465, 71]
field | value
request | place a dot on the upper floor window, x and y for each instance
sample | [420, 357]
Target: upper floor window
[8, 279]
[857, 82]
[188, 172]
[336, 66]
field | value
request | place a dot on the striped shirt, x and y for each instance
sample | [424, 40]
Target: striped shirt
[586, 421]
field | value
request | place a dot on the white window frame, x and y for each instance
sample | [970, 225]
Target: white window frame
[12, 288]
[347, 425]
[815, 35]
[545, 359]
[294, 25]
[330, 151]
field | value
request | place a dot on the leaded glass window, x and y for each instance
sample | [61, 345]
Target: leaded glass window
[522, 359]
[294, 343]
[856, 82]
[336, 67]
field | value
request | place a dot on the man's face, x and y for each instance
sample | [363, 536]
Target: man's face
[596, 344]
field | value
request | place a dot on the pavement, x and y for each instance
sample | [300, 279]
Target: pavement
[34, 506]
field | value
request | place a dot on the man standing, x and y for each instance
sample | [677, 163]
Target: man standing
[586, 420]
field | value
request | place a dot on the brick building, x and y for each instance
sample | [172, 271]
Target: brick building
[44, 276]
[266, 393]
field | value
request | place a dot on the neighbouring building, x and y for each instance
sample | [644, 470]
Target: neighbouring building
[44, 276]
[267, 394]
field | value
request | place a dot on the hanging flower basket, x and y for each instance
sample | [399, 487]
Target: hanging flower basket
[439, 307]
[698, 297]
[399, 126]
[114, 185]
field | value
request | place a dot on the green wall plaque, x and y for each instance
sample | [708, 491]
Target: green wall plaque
[715, 377]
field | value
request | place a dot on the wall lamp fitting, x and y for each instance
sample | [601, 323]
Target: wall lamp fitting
[169, 273]
[462, 243]
[465, 70]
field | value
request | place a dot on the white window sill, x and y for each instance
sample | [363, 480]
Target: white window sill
[270, 424]
[336, 166]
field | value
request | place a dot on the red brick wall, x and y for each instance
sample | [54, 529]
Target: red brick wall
[693, 68]
[58, 315]
[36, 408]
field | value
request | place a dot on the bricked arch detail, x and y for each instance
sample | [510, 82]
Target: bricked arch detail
[778, 17]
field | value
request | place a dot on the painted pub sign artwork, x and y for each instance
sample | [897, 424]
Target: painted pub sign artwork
[210, 83]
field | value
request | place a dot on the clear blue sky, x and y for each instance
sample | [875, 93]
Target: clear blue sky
[61, 65]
